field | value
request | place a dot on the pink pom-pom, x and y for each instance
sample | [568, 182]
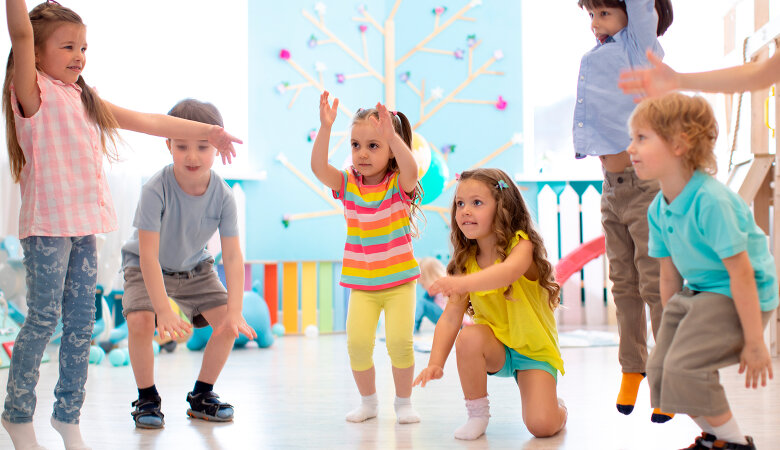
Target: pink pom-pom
[363, 28]
[284, 54]
[501, 103]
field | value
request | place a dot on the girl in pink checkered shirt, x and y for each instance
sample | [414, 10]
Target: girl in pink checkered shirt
[58, 130]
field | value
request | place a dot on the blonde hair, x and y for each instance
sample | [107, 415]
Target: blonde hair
[511, 215]
[45, 18]
[688, 118]
[431, 269]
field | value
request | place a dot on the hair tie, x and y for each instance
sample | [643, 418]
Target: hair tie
[395, 113]
[360, 110]
[457, 177]
[502, 185]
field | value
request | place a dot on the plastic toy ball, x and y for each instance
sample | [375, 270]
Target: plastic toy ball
[278, 330]
[118, 357]
[96, 354]
[311, 331]
[156, 348]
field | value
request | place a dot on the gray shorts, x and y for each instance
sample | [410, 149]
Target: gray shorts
[195, 291]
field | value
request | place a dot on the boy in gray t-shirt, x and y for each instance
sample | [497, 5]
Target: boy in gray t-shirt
[180, 208]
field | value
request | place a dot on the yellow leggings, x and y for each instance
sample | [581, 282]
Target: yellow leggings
[363, 316]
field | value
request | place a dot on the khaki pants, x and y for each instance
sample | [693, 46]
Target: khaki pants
[699, 334]
[634, 274]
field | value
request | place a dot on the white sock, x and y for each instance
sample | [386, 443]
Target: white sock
[404, 411]
[729, 432]
[703, 424]
[475, 426]
[22, 435]
[366, 410]
[71, 436]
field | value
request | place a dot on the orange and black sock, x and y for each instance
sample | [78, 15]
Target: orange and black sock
[629, 387]
[660, 416]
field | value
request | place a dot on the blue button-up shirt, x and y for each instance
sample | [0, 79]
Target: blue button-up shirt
[602, 109]
[706, 223]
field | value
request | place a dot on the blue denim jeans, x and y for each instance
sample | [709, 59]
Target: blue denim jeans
[61, 278]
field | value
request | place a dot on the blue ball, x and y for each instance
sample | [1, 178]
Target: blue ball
[435, 178]
[118, 357]
[96, 354]
[278, 330]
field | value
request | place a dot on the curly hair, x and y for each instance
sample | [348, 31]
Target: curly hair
[511, 215]
[662, 7]
[690, 118]
[403, 128]
[45, 18]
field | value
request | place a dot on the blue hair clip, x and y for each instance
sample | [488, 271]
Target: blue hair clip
[502, 185]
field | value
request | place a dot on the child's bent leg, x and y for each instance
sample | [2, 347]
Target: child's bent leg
[46, 263]
[218, 348]
[140, 334]
[362, 318]
[544, 414]
[399, 322]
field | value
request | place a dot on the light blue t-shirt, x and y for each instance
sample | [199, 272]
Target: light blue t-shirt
[185, 222]
[705, 224]
[602, 109]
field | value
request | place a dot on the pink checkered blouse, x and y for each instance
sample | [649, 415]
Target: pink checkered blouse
[64, 189]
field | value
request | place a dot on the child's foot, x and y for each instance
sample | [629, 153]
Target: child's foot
[479, 415]
[629, 387]
[404, 411]
[71, 435]
[718, 445]
[147, 413]
[659, 416]
[206, 406]
[366, 410]
[22, 435]
[703, 442]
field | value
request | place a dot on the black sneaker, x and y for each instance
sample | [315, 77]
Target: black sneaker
[698, 443]
[718, 445]
[207, 406]
[147, 413]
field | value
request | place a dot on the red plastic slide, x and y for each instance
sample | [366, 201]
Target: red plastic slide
[576, 260]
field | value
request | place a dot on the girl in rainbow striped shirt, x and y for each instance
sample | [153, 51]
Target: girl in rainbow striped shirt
[379, 192]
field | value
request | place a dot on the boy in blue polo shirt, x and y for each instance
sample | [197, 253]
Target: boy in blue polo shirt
[718, 279]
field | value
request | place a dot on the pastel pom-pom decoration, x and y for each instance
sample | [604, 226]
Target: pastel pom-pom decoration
[278, 330]
[96, 354]
[500, 103]
[284, 54]
[311, 331]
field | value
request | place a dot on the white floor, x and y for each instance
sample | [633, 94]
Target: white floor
[295, 395]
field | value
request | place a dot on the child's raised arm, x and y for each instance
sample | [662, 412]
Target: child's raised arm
[23, 46]
[755, 359]
[327, 174]
[444, 335]
[496, 276]
[407, 165]
[175, 128]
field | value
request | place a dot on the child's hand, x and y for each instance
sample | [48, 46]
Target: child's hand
[328, 113]
[755, 362]
[171, 325]
[429, 373]
[384, 126]
[448, 286]
[235, 324]
[223, 142]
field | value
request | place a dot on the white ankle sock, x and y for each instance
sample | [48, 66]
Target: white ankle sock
[22, 435]
[366, 410]
[729, 432]
[71, 435]
[404, 411]
[479, 415]
[704, 425]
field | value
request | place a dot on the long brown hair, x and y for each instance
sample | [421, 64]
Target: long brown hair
[511, 215]
[45, 18]
[403, 128]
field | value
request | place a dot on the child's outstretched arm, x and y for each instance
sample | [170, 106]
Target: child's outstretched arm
[498, 275]
[327, 174]
[755, 359]
[407, 165]
[23, 46]
[169, 324]
[661, 79]
[175, 128]
[234, 278]
[670, 279]
[444, 335]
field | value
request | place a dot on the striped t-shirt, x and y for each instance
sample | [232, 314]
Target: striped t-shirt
[378, 253]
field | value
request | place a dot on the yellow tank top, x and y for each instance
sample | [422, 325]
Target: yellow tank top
[526, 323]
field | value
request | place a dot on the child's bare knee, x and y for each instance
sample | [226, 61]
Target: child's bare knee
[140, 322]
[543, 425]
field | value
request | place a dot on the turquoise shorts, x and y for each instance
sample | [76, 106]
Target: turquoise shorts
[515, 362]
